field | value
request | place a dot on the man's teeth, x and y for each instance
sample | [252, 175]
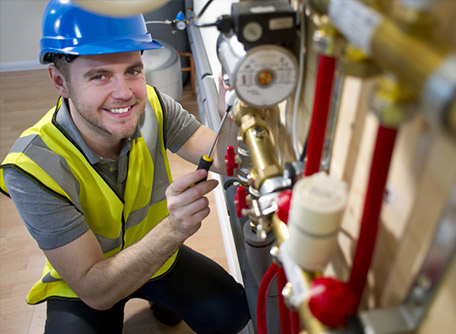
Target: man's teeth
[120, 110]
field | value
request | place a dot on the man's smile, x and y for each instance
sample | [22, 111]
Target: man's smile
[120, 110]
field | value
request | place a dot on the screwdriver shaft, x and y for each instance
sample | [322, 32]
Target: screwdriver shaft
[217, 134]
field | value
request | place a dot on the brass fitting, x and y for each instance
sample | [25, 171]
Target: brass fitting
[417, 63]
[326, 39]
[392, 101]
[242, 109]
[355, 63]
[415, 22]
[407, 57]
[312, 324]
[280, 229]
[255, 133]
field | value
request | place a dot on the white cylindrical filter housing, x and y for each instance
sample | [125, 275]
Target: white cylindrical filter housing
[162, 69]
[314, 220]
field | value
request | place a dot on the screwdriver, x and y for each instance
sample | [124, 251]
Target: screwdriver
[206, 160]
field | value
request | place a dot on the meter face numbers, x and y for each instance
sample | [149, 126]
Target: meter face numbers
[265, 76]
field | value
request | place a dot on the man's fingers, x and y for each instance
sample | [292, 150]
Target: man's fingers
[193, 212]
[175, 191]
[188, 181]
[184, 182]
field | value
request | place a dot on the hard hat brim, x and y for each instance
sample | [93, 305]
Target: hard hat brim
[116, 46]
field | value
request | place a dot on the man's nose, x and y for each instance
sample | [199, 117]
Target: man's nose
[121, 89]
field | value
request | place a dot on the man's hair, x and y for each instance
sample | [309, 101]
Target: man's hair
[62, 62]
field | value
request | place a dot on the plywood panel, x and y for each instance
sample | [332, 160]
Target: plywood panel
[422, 172]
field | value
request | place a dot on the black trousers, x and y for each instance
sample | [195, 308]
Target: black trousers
[201, 292]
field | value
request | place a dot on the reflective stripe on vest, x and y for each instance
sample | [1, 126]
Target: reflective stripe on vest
[45, 154]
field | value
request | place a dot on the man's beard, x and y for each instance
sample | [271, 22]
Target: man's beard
[95, 122]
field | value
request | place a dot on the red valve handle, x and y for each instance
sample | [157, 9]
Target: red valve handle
[240, 200]
[230, 160]
[283, 204]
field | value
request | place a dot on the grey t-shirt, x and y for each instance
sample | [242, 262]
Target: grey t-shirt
[54, 222]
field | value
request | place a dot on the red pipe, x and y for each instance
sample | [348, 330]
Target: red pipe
[381, 159]
[317, 132]
[284, 311]
[295, 322]
[262, 325]
[322, 100]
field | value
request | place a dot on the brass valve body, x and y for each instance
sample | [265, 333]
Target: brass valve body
[255, 133]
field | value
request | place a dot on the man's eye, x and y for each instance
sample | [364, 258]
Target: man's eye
[98, 77]
[134, 72]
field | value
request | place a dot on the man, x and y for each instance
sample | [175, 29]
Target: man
[92, 182]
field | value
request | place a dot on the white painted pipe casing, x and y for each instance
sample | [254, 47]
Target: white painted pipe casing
[315, 211]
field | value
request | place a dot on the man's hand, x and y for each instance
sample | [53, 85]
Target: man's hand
[187, 205]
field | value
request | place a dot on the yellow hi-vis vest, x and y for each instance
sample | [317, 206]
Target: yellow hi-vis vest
[45, 154]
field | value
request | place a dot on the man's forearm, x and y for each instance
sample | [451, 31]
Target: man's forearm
[114, 278]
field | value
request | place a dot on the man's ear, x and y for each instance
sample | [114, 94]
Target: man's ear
[58, 80]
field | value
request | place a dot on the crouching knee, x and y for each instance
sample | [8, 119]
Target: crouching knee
[225, 316]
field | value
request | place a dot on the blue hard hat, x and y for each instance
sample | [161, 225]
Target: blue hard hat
[69, 29]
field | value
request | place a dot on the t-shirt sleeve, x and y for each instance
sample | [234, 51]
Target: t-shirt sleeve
[51, 221]
[179, 123]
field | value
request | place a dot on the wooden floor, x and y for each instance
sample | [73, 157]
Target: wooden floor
[24, 98]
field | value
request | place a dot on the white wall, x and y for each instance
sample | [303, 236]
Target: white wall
[20, 33]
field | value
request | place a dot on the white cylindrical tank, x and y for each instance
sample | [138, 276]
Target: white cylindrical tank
[314, 220]
[162, 68]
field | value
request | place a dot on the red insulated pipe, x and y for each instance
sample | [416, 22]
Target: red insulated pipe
[295, 322]
[317, 132]
[381, 159]
[322, 100]
[262, 324]
[284, 311]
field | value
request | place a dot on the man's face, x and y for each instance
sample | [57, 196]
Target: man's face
[107, 94]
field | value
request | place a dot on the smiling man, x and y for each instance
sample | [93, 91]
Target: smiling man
[107, 95]
[92, 182]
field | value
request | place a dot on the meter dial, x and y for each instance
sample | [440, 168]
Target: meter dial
[181, 25]
[265, 76]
